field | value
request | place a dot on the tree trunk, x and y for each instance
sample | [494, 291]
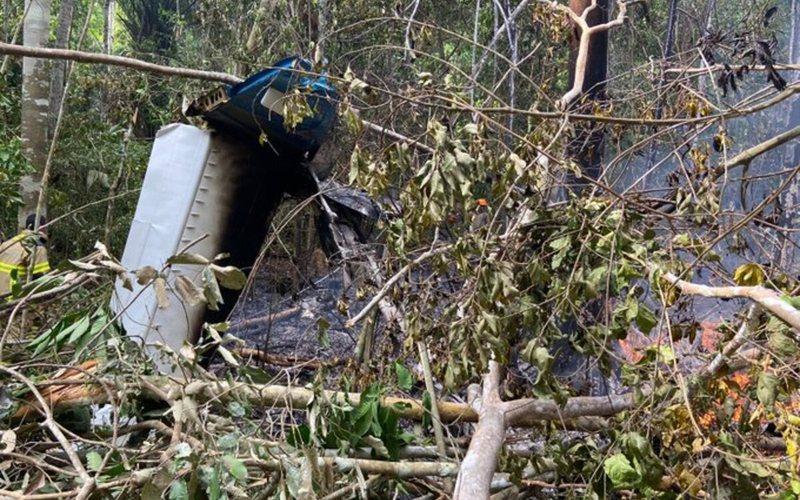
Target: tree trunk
[791, 198]
[109, 8]
[35, 105]
[586, 146]
[672, 18]
[477, 468]
[323, 29]
[6, 15]
[59, 68]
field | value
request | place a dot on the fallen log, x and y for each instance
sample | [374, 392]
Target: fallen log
[576, 413]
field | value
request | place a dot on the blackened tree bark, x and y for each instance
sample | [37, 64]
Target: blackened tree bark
[790, 201]
[59, 68]
[586, 146]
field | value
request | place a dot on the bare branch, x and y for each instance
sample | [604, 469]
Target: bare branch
[749, 154]
[126, 62]
[586, 32]
[770, 300]
[477, 468]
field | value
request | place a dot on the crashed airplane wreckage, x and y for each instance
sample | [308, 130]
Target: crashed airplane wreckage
[215, 191]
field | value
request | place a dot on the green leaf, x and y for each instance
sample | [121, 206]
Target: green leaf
[236, 409]
[80, 328]
[322, 332]
[427, 403]
[236, 467]
[405, 380]
[94, 461]
[620, 471]
[645, 319]
[767, 388]
[179, 490]
[299, 435]
[560, 243]
[363, 419]
[214, 491]
[636, 444]
[150, 492]
[777, 339]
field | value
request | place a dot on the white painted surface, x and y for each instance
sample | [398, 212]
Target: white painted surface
[188, 191]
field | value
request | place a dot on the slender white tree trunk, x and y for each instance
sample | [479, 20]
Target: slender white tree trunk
[109, 8]
[35, 104]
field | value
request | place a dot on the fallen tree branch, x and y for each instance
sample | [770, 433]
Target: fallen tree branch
[770, 300]
[268, 320]
[285, 361]
[747, 327]
[384, 468]
[160, 69]
[374, 127]
[477, 468]
[714, 68]
[577, 412]
[49, 422]
[387, 287]
[126, 62]
[71, 282]
[750, 154]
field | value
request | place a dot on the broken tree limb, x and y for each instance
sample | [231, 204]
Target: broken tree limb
[384, 468]
[477, 469]
[268, 320]
[495, 416]
[768, 299]
[750, 154]
[387, 287]
[49, 422]
[577, 412]
[285, 361]
[126, 62]
[748, 326]
[436, 419]
[702, 70]
[374, 127]
[160, 69]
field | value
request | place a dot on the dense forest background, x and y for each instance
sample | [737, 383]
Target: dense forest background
[584, 282]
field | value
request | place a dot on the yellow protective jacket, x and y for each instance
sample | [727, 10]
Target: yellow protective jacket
[15, 254]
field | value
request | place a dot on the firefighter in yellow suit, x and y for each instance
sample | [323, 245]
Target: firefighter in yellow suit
[17, 252]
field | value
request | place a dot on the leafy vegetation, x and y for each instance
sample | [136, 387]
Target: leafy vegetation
[641, 324]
